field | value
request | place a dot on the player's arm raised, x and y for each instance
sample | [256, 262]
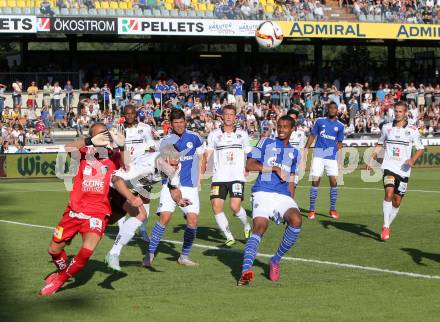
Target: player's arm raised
[99, 140]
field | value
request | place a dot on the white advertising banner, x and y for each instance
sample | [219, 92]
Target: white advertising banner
[18, 24]
[187, 27]
[372, 142]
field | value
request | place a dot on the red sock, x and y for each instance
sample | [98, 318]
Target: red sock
[60, 260]
[77, 263]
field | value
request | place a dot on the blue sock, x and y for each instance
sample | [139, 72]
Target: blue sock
[289, 238]
[250, 251]
[156, 236]
[313, 196]
[333, 197]
[188, 239]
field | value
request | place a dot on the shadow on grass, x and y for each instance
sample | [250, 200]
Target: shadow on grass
[209, 234]
[357, 229]
[304, 213]
[418, 255]
[234, 259]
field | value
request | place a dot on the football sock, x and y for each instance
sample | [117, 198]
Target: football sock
[156, 236]
[188, 239]
[126, 233]
[60, 260]
[289, 238]
[223, 224]
[143, 227]
[387, 208]
[333, 197]
[250, 251]
[77, 263]
[242, 216]
[393, 214]
[313, 196]
[121, 221]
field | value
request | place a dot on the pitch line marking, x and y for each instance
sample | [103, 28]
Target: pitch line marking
[299, 186]
[297, 259]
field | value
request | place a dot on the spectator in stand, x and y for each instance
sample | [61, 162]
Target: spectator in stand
[45, 117]
[47, 92]
[32, 92]
[94, 90]
[2, 98]
[238, 92]
[89, 4]
[285, 95]
[267, 92]
[276, 93]
[60, 118]
[68, 90]
[106, 97]
[47, 137]
[17, 89]
[45, 8]
[56, 97]
[256, 89]
[119, 96]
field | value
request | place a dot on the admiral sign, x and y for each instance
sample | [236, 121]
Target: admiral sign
[18, 24]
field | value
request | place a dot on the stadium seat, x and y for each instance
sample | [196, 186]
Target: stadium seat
[269, 9]
[129, 12]
[183, 14]
[111, 12]
[120, 12]
[21, 4]
[93, 12]
[270, 2]
[16, 11]
[37, 3]
[148, 13]
[156, 13]
[7, 11]
[263, 2]
[209, 14]
[55, 10]
[201, 7]
[123, 5]
[370, 18]
[97, 5]
[210, 7]
[169, 6]
[362, 17]
[378, 18]
[11, 3]
[194, 3]
[2, 3]
[200, 14]
[192, 14]
[64, 12]
[105, 5]
[164, 12]
[74, 11]
[138, 12]
[26, 11]
[114, 5]
[174, 13]
[83, 11]
[102, 12]
[269, 16]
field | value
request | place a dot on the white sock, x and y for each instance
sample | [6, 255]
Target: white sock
[387, 208]
[143, 227]
[393, 214]
[126, 233]
[242, 216]
[223, 224]
[121, 221]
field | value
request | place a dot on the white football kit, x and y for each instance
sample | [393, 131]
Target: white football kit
[138, 140]
[229, 149]
[398, 143]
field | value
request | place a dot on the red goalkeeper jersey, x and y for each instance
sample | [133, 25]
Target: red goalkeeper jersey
[92, 182]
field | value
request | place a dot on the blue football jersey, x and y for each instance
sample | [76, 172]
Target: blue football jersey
[328, 133]
[273, 152]
[190, 146]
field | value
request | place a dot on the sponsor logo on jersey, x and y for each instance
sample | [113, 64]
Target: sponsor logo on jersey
[336, 129]
[215, 190]
[189, 145]
[103, 169]
[58, 232]
[95, 223]
[326, 136]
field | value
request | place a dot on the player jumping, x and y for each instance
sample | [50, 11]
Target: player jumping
[399, 139]
[151, 168]
[191, 149]
[88, 208]
[276, 161]
[229, 146]
[329, 133]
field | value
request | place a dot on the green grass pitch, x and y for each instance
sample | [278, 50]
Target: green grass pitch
[307, 291]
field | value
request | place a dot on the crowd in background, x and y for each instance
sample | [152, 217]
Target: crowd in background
[259, 102]
[401, 11]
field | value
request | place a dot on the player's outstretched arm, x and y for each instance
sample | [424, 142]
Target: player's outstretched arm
[100, 139]
[122, 188]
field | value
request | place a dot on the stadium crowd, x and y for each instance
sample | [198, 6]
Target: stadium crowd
[362, 108]
[407, 11]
